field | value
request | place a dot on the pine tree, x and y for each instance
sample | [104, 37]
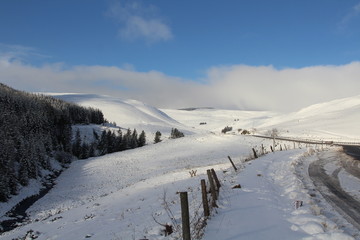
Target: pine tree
[23, 172]
[110, 140]
[92, 149]
[96, 135]
[142, 139]
[76, 149]
[157, 137]
[102, 146]
[126, 143]
[175, 133]
[4, 187]
[84, 151]
[134, 140]
[118, 141]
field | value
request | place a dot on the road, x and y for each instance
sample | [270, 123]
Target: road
[329, 186]
[356, 145]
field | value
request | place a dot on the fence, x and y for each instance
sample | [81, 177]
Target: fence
[214, 186]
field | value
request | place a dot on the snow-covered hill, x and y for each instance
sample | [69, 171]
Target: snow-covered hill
[120, 195]
[334, 120]
[126, 113]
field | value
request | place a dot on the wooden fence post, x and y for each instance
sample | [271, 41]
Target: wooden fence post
[216, 179]
[274, 144]
[212, 188]
[185, 215]
[255, 154]
[204, 198]
[232, 163]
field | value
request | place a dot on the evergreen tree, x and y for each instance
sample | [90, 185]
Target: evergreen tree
[157, 137]
[102, 146]
[76, 149]
[84, 151]
[92, 149]
[23, 172]
[142, 139]
[118, 141]
[4, 186]
[111, 141]
[96, 135]
[13, 185]
[134, 140]
[126, 142]
[175, 133]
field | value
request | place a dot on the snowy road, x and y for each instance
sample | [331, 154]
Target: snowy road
[328, 184]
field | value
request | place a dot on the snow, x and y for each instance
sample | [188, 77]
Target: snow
[32, 189]
[350, 184]
[126, 113]
[334, 120]
[120, 195]
[265, 207]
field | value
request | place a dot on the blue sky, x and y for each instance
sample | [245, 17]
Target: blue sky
[182, 41]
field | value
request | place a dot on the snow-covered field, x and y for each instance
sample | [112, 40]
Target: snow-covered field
[125, 195]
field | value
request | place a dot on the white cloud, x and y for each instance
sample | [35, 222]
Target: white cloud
[353, 13]
[137, 21]
[238, 86]
[9, 53]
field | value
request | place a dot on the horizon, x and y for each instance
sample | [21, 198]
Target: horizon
[249, 55]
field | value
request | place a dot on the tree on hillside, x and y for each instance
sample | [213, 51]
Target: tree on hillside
[134, 139]
[76, 147]
[157, 137]
[84, 151]
[127, 140]
[36, 129]
[175, 133]
[142, 139]
[226, 129]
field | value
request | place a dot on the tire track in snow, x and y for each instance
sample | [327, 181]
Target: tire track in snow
[330, 189]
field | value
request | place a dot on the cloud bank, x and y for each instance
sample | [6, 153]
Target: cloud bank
[239, 86]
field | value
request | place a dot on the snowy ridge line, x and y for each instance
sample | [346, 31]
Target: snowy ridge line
[311, 141]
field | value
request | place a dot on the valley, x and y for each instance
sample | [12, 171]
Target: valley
[118, 195]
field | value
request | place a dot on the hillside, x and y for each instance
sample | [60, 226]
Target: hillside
[127, 113]
[334, 120]
[36, 136]
[123, 195]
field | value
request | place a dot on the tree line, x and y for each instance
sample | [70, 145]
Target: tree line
[108, 142]
[37, 129]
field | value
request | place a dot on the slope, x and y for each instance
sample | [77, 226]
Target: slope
[119, 195]
[126, 113]
[334, 120]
